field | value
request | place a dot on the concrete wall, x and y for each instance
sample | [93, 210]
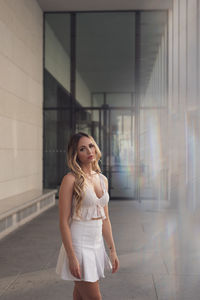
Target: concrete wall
[21, 96]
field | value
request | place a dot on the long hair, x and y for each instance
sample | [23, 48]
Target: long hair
[74, 165]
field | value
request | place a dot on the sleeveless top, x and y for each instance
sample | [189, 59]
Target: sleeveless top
[91, 206]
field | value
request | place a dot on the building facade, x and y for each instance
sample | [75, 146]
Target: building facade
[127, 74]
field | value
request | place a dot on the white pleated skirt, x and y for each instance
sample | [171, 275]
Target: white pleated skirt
[89, 248]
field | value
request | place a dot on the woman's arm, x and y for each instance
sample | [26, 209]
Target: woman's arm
[107, 231]
[107, 234]
[65, 202]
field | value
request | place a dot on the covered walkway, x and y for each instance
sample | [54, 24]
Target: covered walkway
[157, 249]
[128, 73]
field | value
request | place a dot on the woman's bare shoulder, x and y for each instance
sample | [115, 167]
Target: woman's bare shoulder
[104, 177]
[68, 178]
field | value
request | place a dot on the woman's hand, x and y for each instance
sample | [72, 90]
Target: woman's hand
[74, 267]
[114, 261]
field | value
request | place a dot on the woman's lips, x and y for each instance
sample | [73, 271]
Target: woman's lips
[91, 156]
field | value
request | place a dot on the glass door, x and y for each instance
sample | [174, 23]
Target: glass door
[113, 129]
[122, 154]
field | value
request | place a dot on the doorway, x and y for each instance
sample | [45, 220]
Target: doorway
[114, 131]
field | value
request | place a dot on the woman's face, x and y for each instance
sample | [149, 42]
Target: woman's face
[86, 150]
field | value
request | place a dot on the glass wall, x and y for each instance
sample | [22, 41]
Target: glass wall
[57, 99]
[106, 75]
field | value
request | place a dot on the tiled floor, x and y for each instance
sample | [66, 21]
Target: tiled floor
[158, 250]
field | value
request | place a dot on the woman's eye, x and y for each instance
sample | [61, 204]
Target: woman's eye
[90, 146]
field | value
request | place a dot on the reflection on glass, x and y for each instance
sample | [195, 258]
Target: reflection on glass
[122, 154]
[57, 48]
[153, 151]
[193, 150]
[153, 58]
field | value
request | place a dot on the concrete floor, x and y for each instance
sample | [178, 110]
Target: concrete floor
[158, 250]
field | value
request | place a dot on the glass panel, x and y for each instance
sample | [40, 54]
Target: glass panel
[104, 56]
[87, 121]
[113, 99]
[57, 121]
[152, 60]
[57, 58]
[97, 99]
[55, 95]
[153, 153]
[193, 160]
[107, 47]
[119, 99]
[56, 137]
[122, 161]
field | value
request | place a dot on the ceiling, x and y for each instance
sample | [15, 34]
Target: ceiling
[106, 51]
[105, 42]
[95, 5]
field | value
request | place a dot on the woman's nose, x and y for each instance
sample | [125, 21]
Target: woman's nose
[89, 150]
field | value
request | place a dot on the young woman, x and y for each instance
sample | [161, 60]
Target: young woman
[84, 220]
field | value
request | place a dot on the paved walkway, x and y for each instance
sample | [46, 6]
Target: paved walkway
[158, 251]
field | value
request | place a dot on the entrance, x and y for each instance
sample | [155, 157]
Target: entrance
[114, 131]
[108, 78]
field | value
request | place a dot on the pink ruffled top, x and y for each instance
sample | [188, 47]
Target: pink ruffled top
[92, 206]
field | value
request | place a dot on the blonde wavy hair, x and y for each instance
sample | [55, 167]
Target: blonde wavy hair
[74, 165]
